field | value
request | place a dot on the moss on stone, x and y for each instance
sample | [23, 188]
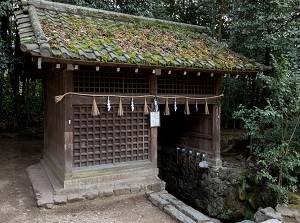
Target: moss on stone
[294, 200]
[242, 193]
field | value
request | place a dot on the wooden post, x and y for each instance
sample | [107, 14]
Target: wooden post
[217, 125]
[68, 118]
[153, 131]
[216, 136]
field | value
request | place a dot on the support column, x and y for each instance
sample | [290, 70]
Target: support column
[68, 118]
[153, 131]
[217, 125]
[216, 136]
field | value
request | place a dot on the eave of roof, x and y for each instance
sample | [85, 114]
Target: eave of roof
[55, 30]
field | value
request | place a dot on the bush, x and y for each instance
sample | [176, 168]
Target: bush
[273, 129]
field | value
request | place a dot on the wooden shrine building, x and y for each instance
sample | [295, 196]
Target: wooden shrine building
[105, 72]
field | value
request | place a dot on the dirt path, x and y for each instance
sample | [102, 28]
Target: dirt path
[18, 204]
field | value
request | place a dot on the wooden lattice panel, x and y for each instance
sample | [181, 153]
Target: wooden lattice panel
[177, 83]
[108, 138]
[108, 80]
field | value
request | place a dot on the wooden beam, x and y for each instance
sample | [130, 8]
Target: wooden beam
[251, 74]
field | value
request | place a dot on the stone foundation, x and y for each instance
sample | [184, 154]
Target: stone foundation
[222, 193]
[49, 192]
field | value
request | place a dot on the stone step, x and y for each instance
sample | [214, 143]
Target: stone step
[178, 215]
[41, 185]
[177, 208]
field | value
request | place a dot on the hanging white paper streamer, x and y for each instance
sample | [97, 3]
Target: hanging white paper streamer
[132, 105]
[196, 106]
[155, 104]
[108, 104]
[175, 105]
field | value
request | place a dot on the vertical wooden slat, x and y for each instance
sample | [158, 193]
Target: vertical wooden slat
[128, 148]
[114, 135]
[94, 142]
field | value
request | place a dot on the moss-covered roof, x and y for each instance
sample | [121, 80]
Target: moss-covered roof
[63, 31]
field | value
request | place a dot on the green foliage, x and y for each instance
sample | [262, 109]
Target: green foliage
[5, 7]
[18, 107]
[204, 13]
[133, 7]
[103, 4]
[5, 59]
[32, 109]
[236, 91]
[258, 29]
[273, 129]
[30, 102]
[6, 100]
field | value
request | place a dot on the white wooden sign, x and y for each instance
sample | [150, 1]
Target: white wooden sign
[154, 119]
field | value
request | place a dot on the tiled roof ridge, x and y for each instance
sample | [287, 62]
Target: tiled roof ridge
[41, 39]
[67, 8]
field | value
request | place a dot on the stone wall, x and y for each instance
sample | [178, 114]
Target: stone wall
[223, 193]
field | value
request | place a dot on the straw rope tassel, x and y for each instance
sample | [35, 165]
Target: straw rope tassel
[146, 110]
[120, 109]
[167, 110]
[206, 108]
[95, 110]
[58, 98]
[187, 108]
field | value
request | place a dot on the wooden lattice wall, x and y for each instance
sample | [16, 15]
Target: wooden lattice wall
[108, 138]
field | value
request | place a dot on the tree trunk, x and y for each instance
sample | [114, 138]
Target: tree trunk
[213, 31]
[267, 56]
[222, 10]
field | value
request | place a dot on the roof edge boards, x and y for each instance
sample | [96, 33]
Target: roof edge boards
[97, 63]
[56, 6]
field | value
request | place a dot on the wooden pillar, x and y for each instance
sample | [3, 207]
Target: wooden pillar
[217, 125]
[153, 131]
[216, 136]
[68, 119]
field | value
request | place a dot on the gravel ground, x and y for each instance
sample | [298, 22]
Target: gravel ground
[18, 203]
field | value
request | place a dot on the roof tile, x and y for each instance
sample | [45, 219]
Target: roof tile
[97, 35]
